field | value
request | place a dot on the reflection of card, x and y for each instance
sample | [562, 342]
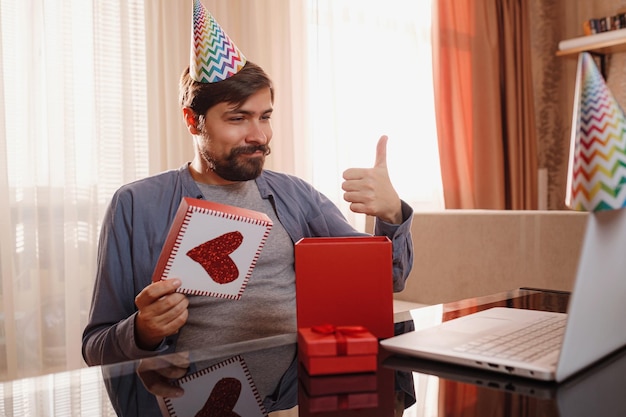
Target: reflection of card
[224, 389]
[212, 248]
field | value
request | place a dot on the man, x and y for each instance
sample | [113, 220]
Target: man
[229, 120]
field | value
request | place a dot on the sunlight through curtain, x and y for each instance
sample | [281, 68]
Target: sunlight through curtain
[79, 117]
[72, 130]
[370, 74]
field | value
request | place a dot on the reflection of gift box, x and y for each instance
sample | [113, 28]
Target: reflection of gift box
[380, 402]
[349, 401]
[328, 349]
[333, 384]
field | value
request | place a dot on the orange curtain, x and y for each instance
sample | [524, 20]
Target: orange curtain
[484, 104]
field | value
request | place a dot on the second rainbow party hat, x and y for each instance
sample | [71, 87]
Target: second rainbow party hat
[597, 164]
[214, 57]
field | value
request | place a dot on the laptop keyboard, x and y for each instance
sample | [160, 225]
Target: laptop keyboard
[528, 343]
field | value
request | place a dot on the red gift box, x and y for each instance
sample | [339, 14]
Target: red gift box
[328, 349]
[345, 281]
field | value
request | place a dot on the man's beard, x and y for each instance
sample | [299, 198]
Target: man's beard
[232, 168]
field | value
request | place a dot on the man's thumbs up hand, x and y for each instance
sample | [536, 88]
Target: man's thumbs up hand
[370, 191]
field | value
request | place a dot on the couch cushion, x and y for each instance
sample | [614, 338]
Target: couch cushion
[467, 253]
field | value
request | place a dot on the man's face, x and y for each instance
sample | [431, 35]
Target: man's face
[235, 140]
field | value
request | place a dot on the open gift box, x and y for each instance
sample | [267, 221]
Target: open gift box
[328, 349]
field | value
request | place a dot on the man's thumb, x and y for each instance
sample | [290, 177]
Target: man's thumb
[381, 152]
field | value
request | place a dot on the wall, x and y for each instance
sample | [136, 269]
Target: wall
[551, 22]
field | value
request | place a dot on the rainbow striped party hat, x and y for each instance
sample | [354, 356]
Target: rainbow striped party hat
[214, 57]
[597, 163]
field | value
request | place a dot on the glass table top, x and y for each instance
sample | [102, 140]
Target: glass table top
[264, 377]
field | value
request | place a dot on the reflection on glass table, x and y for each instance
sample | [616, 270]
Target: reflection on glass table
[263, 377]
[255, 378]
[249, 378]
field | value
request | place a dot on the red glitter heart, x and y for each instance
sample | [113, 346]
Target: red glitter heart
[222, 399]
[214, 257]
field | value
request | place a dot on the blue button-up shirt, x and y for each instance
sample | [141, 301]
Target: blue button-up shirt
[136, 225]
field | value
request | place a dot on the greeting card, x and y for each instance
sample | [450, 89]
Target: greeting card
[212, 248]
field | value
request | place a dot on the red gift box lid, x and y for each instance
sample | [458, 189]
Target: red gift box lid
[330, 340]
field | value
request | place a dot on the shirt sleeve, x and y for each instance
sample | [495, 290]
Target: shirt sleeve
[109, 336]
[402, 244]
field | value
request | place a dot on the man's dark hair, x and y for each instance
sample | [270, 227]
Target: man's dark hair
[200, 97]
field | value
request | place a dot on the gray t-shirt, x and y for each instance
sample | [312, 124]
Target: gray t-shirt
[268, 304]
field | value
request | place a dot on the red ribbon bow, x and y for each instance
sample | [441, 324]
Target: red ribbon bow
[341, 333]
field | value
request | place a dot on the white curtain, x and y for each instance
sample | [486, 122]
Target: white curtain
[89, 101]
[72, 129]
[370, 74]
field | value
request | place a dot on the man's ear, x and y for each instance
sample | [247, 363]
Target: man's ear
[191, 121]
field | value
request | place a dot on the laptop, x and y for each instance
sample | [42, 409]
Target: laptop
[591, 330]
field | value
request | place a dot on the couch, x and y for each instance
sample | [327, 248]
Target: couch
[467, 253]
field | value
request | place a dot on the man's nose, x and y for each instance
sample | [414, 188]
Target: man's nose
[257, 134]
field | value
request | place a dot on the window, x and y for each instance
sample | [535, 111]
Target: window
[371, 74]
[73, 129]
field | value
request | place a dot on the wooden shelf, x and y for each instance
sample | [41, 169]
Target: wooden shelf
[601, 43]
